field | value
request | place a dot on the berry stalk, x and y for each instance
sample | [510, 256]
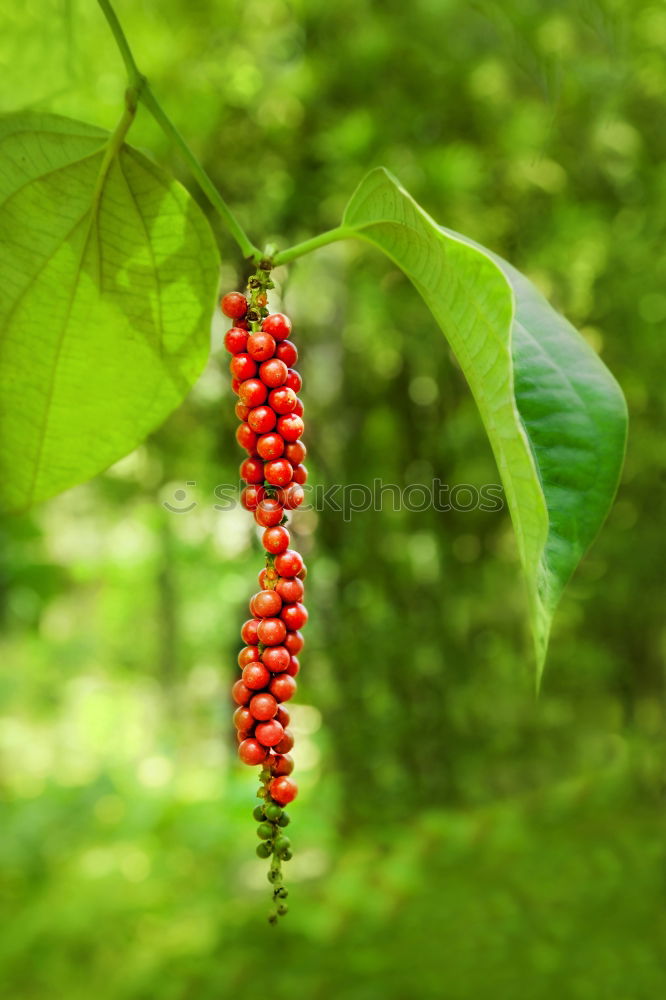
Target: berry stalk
[271, 425]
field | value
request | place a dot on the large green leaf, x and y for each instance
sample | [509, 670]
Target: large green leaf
[555, 416]
[108, 274]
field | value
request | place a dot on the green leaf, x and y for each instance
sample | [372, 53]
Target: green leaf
[555, 416]
[108, 276]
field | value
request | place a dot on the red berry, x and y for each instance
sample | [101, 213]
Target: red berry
[234, 305]
[261, 346]
[269, 513]
[252, 470]
[298, 410]
[287, 352]
[289, 426]
[282, 400]
[273, 373]
[270, 446]
[294, 381]
[252, 496]
[235, 385]
[282, 687]
[262, 706]
[246, 437]
[278, 325]
[243, 719]
[269, 733]
[271, 631]
[290, 590]
[282, 716]
[243, 412]
[278, 472]
[242, 366]
[249, 631]
[266, 577]
[252, 392]
[294, 665]
[276, 658]
[289, 563]
[241, 693]
[294, 642]
[248, 654]
[275, 539]
[292, 495]
[235, 340]
[287, 741]
[283, 790]
[252, 752]
[262, 419]
[300, 475]
[294, 616]
[281, 764]
[256, 677]
[266, 604]
[295, 451]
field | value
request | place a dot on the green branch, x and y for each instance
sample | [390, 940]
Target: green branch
[140, 86]
[307, 246]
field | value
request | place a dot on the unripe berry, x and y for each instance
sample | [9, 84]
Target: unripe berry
[300, 475]
[282, 686]
[242, 366]
[269, 446]
[259, 814]
[252, 392]
[294, 381]
[266, 604]
[273, 373]
[243, 718]
[294, 616]
[276, 658]
[295, 452]
[262, 707]
[281, 845]
[262, 419]
[289, 426]
[290, 590]
[289, 563]
[269, 513]
[294, 664]
[234, 305]
[250, 631]
[256, 677]
[252, 470]
[265, 831]
[271, 631]
[283, 790]
[285, 818]
[282, 400]
[273, 812]
[278, 472]
[261, 346]
[241, 693]
[278, 325]
[251, 751]
[243, 412]
[264, 850]
[294, 642]
[246, 437]
[248, 654]
[283, 747]
[287, 352]
[275, 540]
[235, 340]
[269, 733]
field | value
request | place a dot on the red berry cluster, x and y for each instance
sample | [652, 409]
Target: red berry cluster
[271, 415]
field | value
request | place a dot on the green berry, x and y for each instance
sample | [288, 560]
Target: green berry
[282, 844]
[282, 909]
[272, 919]
[287, 856]
[273, 812]
[265, 831]
[258, 814]
[282, 893]
[274, 876]
[284, 820]
[264, 850]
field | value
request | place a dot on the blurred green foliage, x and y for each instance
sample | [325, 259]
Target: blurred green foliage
[453, 837]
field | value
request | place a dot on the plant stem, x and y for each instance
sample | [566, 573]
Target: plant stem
[307, 246]
[139, 84]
